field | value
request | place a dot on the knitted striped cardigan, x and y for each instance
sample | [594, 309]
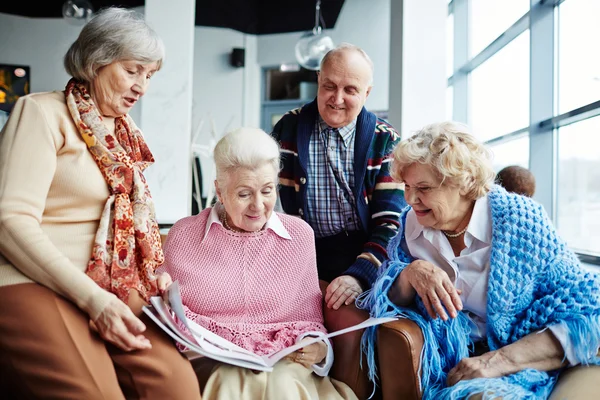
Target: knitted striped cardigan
[379, 200]
[535, 281]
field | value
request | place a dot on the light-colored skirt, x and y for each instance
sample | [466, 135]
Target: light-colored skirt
[288, 381]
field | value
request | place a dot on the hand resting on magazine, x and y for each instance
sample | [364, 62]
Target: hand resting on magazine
[309, 355]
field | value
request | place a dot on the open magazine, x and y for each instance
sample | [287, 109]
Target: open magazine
[202, 342]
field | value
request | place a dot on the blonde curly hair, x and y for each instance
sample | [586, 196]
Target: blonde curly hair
[455, 154]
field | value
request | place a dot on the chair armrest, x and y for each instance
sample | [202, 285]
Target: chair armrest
[399, 345]
[346, 347]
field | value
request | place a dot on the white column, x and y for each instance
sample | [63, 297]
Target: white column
[417, 64]
[166, 114]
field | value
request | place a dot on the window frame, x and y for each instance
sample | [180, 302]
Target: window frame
[544, 120]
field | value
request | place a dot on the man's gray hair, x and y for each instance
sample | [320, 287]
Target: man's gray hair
[113, 34]
[342, 47]
[249, 148]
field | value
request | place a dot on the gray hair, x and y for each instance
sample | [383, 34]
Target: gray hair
[113, 34]
[245, 148]
[453, 152]
[343, 47]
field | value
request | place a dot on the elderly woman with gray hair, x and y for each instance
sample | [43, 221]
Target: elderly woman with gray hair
[79, 243]
[249, 275]
[502, 302]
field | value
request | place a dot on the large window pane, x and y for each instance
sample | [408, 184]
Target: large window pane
[449, 102]
[490, 18]
[450, 45]
[578, 61]
[579, 185]
[515, 152]
[500, 91]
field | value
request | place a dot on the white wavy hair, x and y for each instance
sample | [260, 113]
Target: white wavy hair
[455, 154]
[245, 148]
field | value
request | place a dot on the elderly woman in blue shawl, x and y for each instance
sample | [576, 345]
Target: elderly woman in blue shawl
[502, 302]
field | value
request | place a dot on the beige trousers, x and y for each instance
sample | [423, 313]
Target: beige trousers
[287, 381]
[577, 383]
[48, 351]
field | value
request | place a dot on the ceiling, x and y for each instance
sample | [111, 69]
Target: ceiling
[257, 17]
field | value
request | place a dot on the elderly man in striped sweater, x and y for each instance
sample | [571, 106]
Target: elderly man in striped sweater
[335, 175]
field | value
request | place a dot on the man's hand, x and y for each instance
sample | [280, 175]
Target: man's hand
[342, 290]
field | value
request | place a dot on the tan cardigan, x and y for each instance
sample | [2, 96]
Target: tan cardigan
[51, 198]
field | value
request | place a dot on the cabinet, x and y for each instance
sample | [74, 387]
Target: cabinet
[285, 88]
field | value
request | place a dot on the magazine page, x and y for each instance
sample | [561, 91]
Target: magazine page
[198, 349]
[200, 333]
[212, 345]
[272, 359]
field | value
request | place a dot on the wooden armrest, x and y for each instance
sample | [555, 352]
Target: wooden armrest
[399, 345]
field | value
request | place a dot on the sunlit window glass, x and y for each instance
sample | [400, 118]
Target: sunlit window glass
[500, 91]
[515, 152]
[579, 185]
[490, 18]
[578, 60]
[450, 45]
[449, 102]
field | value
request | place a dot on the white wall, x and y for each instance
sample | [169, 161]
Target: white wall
[365, 23]
[225, 97]
[39, 43]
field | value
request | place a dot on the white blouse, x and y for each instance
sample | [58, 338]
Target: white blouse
[471, 269]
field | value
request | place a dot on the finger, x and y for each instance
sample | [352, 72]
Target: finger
[446, 301]
[452, 377]
[164, 281]
[351, 299]
[437, 306]
[336, 296]
[427, 305]
[126, 339]
[454, 295]
[342, 299]
[132, 323]
[333, 286]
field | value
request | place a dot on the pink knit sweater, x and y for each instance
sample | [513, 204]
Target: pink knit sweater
[259, 291]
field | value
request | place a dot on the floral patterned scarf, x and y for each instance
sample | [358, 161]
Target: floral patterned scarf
[127, 247]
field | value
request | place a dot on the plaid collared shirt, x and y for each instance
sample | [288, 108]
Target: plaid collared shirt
[330, 203]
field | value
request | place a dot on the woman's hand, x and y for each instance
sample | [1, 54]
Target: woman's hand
[163, 282]
[489, 365]
[309, 355]
[342, 290]
[118, 325]
[434, 287]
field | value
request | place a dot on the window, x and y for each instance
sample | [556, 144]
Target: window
[450, 45]
[490, 18]
[449, 102]
[578, 61]
[578, 192]
[514, 152]
[491, 92]
[500, 91]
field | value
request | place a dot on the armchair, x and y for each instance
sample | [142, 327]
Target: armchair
[399, 347]
[403, 336]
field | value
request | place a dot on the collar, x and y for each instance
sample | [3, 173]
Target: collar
[346, 132]
[480, 225]
[274, 223]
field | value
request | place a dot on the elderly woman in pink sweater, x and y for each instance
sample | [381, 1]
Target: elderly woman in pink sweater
[249, 275]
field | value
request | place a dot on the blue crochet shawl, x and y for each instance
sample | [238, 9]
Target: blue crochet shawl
[535, 281]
